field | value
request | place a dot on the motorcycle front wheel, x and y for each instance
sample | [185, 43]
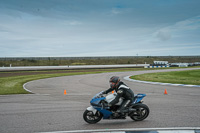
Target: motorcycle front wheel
[141, 113]
[92, 118]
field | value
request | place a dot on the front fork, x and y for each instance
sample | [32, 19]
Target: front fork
[106, 114]
[91, 108]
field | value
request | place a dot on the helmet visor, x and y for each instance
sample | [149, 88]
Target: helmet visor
[112, 85]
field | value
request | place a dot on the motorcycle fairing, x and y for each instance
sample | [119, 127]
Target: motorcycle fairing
[106, 113]
[96, 101]
[138, 98]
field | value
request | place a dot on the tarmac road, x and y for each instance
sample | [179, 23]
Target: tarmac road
[50, 110]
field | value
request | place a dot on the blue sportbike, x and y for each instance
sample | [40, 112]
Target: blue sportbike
[98, 109]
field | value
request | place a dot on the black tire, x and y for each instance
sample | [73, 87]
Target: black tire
[91, 118]
[141, 113]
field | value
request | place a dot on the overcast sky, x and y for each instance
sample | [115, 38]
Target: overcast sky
[73, 28]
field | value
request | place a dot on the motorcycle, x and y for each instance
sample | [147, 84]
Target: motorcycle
[137, 111]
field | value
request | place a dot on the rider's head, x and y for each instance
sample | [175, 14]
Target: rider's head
[114, 82]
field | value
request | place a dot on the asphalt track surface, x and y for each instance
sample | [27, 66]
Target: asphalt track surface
[50, 110]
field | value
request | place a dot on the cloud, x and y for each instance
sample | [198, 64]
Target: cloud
[92, 28]
[163, 35]
[188, 24]
[182, 29]
[120, 10]
[71, 22]
[116, 11]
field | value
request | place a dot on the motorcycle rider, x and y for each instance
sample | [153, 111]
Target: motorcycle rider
[122, 91]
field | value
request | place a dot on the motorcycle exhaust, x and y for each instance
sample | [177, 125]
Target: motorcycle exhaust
[131, 109]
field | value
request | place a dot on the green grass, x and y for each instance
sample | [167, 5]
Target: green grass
[14, 84]
[178, 77]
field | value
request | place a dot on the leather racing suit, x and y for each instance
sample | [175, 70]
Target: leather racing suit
[122, 91]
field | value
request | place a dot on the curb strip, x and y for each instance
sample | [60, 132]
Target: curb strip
[158, 83]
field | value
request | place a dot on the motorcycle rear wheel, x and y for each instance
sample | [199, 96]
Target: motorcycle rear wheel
[92, 118]
[141, 113]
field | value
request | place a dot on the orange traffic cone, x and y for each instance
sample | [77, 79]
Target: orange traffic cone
[113, 92]
[65, 92]
[165, 91]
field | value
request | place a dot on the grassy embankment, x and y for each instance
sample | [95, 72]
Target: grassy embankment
[179, 77]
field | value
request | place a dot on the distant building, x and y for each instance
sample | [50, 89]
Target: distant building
[159, 63]
[179, 64]
[197, 63]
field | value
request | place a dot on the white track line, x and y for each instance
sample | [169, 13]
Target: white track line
[158, 83]
[161, 130]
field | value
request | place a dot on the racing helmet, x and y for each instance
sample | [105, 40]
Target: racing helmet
[114, 81]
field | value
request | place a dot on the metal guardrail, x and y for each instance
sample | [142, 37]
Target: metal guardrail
[28, 68]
